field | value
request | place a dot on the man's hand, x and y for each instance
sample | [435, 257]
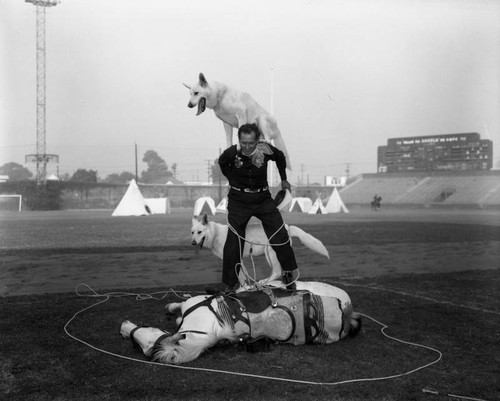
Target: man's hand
[286, 185]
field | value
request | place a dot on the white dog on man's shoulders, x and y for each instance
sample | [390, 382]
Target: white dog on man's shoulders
[212, 235]
[235, 108]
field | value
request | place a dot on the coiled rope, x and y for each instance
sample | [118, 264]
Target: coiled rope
[141, 297]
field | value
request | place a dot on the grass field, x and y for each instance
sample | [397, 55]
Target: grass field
[431, 276]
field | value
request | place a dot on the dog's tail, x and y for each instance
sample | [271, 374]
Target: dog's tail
[308, 240]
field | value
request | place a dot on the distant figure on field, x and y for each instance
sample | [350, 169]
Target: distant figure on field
[376, 202]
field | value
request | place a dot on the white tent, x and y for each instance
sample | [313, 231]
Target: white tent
[301, 205]
[318, 207]
[132, 203]
[222, 206]
[335, 204]
[205, 204]
[158, 205]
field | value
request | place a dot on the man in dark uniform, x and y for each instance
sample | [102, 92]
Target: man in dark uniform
[245, 166]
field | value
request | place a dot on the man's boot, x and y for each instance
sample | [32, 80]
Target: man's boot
[222, 289]
[288, 278]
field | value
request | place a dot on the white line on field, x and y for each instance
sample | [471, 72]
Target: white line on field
[408, 294]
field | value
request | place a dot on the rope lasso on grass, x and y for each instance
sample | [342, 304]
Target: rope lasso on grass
[106, 297]
[257, 286]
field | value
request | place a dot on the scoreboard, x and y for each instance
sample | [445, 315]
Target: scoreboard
[465, 151]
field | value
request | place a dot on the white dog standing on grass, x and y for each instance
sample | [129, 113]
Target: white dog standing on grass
[213, 236]
[235, 108]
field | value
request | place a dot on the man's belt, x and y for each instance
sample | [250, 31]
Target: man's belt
[250, 190]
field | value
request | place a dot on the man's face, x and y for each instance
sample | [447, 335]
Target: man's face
[248, 143]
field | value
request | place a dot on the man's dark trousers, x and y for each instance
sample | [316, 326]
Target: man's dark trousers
[241, 207]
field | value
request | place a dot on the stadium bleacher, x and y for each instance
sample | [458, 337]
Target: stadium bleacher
[459, 189]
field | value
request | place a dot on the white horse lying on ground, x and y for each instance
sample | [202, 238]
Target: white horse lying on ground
[317, 313]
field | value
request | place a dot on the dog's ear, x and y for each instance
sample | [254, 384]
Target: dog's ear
[203, 81]
[204, 219]
[187, 86]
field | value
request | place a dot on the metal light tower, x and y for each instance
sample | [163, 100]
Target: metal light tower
[41, 158]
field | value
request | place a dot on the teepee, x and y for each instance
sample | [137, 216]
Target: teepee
[318, 207]
[132, 203]
[158, 205]
[301, 205]
[222, 206]
[205, 204]
[335, 204]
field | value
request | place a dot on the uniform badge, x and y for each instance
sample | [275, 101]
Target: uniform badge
[237, 161]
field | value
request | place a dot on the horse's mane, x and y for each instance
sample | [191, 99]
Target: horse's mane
[176, 354]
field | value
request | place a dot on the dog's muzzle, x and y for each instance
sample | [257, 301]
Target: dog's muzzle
[193, 242]
[201, 106]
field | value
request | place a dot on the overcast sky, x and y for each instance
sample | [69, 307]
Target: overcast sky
[347, 75]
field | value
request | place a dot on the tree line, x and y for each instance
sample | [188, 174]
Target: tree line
[157, 172]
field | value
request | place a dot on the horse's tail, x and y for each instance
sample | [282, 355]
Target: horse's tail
[308, 240]
[355, 324]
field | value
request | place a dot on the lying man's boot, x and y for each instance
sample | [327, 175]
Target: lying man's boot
[288, 278]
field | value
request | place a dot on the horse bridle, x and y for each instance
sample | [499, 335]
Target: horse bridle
[158, 341]
[166, 334]
[206, 302]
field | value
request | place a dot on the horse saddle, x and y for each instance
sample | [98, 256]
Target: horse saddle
[313, 319]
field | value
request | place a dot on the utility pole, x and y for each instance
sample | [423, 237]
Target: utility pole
[41, 158]
[209, 170]
[136, 167]
[347, 170]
